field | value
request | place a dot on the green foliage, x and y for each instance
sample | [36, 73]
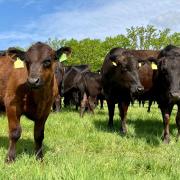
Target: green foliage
[93, 51]
[85, 148]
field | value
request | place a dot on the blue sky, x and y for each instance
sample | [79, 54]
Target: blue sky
[27, 21]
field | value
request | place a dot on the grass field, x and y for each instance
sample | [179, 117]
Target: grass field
[85, 148]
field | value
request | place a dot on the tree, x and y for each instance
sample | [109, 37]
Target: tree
[92, 51]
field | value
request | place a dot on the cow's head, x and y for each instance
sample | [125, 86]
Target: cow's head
[169, 72]
[39, 59]
[127, 76]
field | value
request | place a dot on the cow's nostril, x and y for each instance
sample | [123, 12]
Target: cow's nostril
[37, 80]
[33, 81]
[175, 95]
[140, 89]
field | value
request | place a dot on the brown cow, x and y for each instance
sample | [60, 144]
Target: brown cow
[28, 88]
[147, 75]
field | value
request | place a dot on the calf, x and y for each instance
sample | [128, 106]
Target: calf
[83, 87]
[73, 77]
[28, 87]
[92, 89]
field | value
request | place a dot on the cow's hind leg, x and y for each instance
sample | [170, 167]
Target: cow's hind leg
[14, 132]
[123, 108]
[57, 104]
[84, 104]
[38, 137]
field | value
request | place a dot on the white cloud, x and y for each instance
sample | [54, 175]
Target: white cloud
[169, 19]
[13, 38]
[15, 35]
[110, 19]
[107, 20]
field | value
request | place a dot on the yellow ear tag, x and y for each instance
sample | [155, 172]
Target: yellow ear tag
[153, 65]
[63, 57]
[139, 64]
[114, 63]
[18, 63]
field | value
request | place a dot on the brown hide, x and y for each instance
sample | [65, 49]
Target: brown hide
[20, 98]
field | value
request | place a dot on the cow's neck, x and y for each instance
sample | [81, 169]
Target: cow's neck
[45, 93]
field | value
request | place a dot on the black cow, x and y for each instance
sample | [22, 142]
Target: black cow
[71, 92]
[59, 73]
[78, 68]
[120, 81]
[92, 90]
[82, 88]
[168, 86]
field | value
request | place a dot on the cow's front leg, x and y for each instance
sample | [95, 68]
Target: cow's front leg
[166, 112]
[38, 137]
[14, 132]
[111, 107]
[123, 108]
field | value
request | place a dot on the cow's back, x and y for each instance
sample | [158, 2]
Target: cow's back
[144, 54]
[93, 83]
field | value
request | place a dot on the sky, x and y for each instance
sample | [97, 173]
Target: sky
[24, 22]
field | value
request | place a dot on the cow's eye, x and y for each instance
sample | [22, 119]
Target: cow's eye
[125, 69]
[47, 63]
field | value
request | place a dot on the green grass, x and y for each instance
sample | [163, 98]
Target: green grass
[76, 148]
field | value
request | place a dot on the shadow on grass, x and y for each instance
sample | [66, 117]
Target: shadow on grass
[23, 146]
[150, 130]
[69, 109]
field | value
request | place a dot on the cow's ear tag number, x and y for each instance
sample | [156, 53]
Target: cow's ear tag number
[154, 66]
[18, 63]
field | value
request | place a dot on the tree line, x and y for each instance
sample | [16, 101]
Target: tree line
[92, 51]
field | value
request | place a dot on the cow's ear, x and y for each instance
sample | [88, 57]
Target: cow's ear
[15, 53]
[63, 50]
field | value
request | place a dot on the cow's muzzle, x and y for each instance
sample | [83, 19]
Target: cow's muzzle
[175, 96]
[137, 90]
[140, 89]
[34, 82]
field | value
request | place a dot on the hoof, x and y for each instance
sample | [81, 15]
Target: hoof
[123, 131]
[177, 137]
[39, 158]
[166, 140]
[39, 155]
[110, 126]
[9, 160]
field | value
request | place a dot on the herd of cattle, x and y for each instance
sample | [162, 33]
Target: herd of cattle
[33, 81]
